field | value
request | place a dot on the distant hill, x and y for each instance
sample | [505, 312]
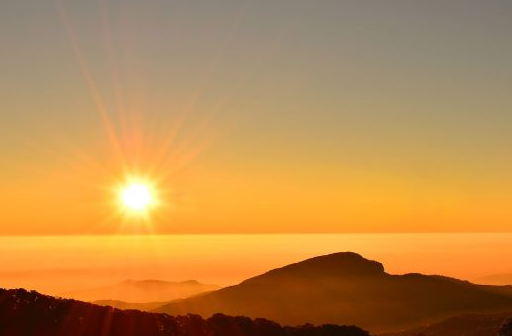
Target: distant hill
[145, 306]
[345, 288]
[24, 313]
[462, 325]
[143, 291]
[496, 279]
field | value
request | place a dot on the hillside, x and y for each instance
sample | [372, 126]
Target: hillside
[467, 325]
[143, 291]
[24, 313]
[345, 288]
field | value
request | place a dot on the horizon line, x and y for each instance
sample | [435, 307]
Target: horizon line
[254, 233]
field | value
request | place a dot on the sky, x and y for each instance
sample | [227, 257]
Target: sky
[256, 116]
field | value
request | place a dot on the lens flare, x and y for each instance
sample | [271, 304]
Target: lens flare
[137, 197]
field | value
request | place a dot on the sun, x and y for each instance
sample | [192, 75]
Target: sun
[137, 197]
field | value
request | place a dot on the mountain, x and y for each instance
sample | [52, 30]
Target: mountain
[345, 288]
[496, 279]
[143, 291]
[145, 306]
[466, 325]
[24, 313]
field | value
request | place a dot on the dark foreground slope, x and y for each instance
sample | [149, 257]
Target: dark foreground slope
[345, 288]
[466, 325]
[24, 313]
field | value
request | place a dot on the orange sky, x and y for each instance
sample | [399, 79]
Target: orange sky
[330, 118]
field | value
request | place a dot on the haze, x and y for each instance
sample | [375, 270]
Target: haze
[91, 261]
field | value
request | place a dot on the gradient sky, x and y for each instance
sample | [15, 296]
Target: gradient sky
[257, 116]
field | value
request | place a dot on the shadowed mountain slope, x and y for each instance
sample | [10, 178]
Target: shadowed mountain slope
[345, 288]
[143, 291]
[24, 313]
[461, 325]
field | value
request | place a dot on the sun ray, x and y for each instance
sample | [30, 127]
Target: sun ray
[93, 88]
[136, 176]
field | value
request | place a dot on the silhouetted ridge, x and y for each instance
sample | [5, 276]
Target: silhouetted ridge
[24, 313]
[337, 265]
[345, 288]
[467, 325]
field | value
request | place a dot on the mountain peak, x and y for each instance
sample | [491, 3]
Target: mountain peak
[340, 264]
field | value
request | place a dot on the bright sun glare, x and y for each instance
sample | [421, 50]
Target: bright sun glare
[136, 196]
